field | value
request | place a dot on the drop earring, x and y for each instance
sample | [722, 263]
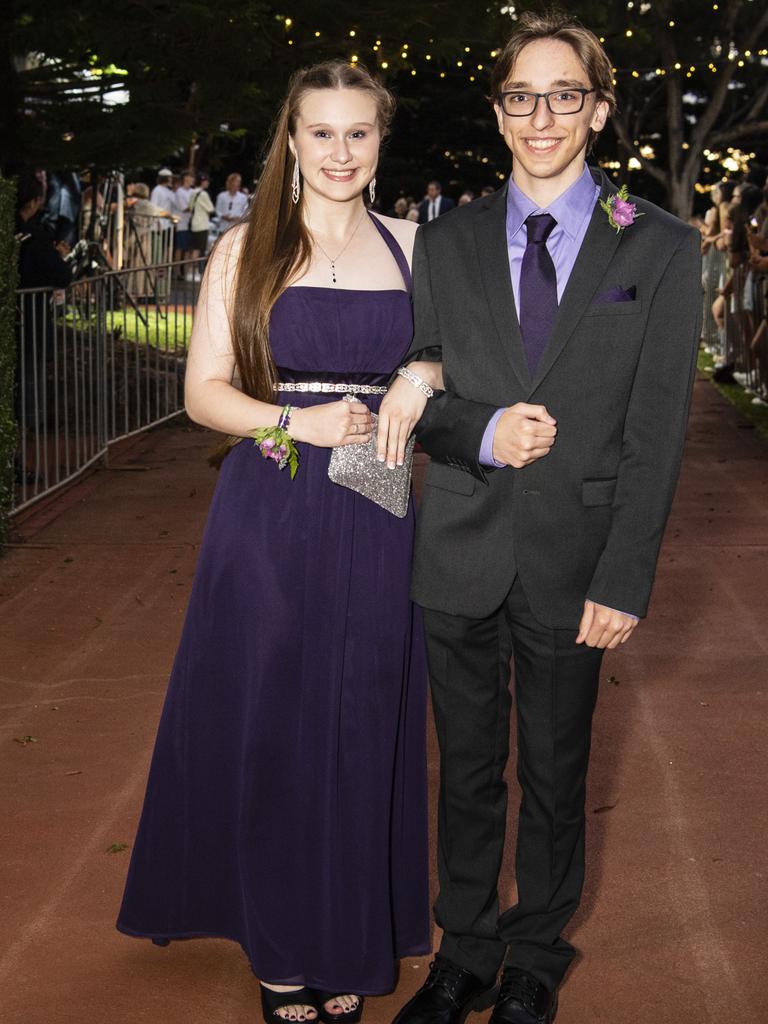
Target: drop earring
[296, 182]
[372, 190]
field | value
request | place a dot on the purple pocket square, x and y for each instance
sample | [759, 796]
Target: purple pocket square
[618, 295]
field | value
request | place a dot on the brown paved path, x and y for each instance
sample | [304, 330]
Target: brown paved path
[674, 918]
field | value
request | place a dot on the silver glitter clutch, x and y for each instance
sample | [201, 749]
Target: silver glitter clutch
[357, 467]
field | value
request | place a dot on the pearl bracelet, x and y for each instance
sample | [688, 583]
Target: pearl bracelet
[417, 381]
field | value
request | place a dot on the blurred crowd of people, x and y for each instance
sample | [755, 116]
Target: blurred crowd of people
[432, 204]
[735, 282]
[178, 220]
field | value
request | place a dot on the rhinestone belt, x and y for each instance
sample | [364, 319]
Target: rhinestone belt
[323, 387]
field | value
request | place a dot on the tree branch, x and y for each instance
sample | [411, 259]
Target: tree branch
[743, 131]
[757, 107]
[707, 121]
[625, 139]
[674, 106]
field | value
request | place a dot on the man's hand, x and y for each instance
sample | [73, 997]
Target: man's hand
[523, 434]
[603, 627]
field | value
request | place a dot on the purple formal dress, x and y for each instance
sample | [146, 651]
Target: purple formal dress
[286, 800]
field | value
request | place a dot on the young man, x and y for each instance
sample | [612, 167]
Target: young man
[568, 351]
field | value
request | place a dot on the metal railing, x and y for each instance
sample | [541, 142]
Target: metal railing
[97, 362]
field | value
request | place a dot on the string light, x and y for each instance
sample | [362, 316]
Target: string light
[469, 71]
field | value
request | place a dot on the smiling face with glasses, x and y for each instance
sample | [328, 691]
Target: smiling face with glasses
[546, 111]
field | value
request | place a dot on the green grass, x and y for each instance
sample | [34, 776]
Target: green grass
[736, 395]
[172, 332]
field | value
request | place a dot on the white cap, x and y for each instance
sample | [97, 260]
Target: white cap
[165, 172]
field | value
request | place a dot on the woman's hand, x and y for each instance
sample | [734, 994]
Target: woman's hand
[332, 424]
[401, 409]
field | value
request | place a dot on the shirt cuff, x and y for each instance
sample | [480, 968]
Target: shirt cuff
[629, 615]
[486, 445]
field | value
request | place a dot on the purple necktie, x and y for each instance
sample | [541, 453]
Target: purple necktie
[538, 289]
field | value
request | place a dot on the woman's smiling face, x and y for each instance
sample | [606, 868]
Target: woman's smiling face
[337, 141]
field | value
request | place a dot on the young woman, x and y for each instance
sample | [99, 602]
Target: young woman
[285, 807]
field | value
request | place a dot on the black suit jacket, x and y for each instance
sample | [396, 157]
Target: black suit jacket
[587, 519]
[446, 204]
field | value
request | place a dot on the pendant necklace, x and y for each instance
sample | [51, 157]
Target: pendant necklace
[333, 260]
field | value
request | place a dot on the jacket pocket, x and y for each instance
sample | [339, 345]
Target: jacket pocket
[614, 308]
[598, 492]
[449, 479]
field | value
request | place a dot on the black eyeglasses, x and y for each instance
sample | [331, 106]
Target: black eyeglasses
[559, 101]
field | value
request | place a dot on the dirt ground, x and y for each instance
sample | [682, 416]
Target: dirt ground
[674, 918]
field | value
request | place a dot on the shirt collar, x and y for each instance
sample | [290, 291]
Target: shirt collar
[569, 209]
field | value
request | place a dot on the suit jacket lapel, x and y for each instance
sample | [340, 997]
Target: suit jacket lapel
[597, 251]
[491, 243]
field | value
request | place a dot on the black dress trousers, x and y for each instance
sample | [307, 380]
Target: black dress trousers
[556, 683]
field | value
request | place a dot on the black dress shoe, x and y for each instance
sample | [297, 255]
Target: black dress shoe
[523, 1000]
[448, 995]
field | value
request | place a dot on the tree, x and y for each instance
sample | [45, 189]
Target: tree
[707, 89]
[197, 72]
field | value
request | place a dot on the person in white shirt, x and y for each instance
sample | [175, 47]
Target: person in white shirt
[231, 204]
[201, 208]
[162, 193]
[162, 227]
[181, 199]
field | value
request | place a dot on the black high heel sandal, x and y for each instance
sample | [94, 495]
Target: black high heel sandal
[271, 1002]
[345, 1017]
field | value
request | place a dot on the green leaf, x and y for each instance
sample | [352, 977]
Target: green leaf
[116, 848]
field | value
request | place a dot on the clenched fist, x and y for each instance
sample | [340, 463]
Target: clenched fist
[523, 434]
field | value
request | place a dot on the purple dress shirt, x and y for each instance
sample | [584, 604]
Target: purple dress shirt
[572, 210]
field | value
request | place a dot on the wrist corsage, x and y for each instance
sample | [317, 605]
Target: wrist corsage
[277, 444]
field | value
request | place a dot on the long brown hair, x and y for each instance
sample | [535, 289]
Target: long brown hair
[276, 245]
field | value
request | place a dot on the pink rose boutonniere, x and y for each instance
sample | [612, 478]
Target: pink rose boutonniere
[621, 213]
